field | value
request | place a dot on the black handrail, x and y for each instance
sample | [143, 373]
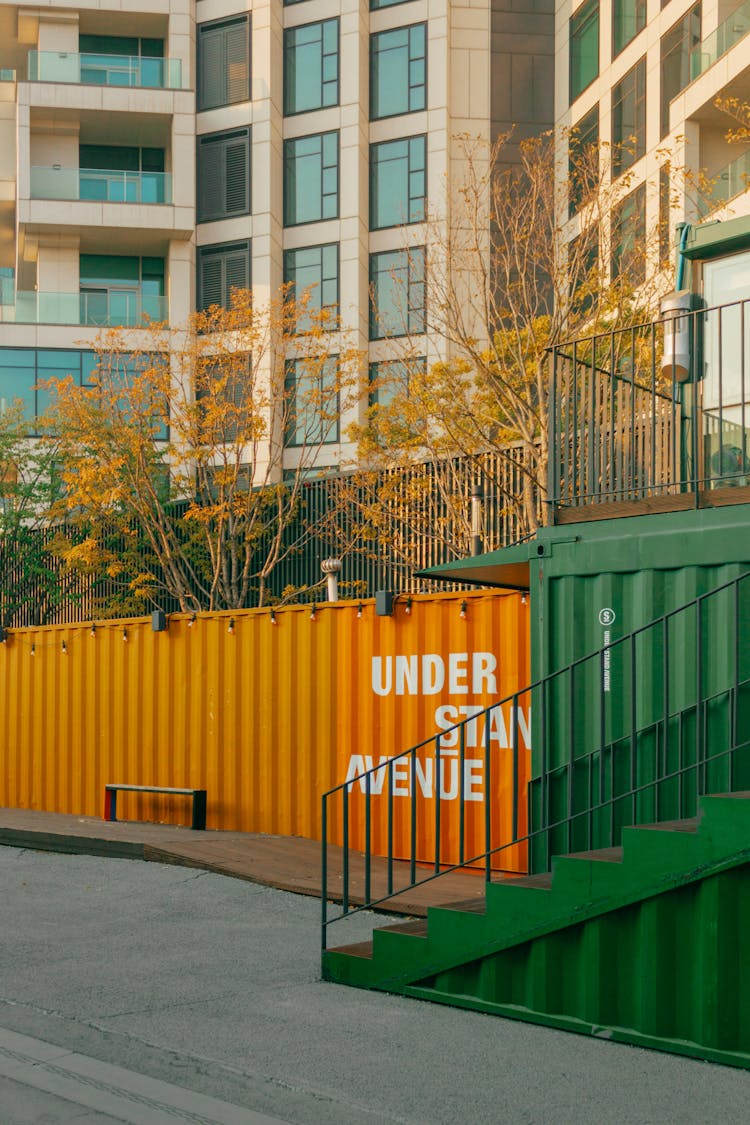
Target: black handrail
[612, 738]
[661, 428]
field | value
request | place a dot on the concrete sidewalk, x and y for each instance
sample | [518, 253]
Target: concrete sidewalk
[212, 985]
[289, 863]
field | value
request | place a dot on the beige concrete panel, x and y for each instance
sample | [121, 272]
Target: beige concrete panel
[227, 117]
[180, 268]
[406, 125]
[227, 230]
[208, 10]
[401, 14]
[58, 266]
[48, 150]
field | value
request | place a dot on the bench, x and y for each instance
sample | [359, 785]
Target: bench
[198, 795]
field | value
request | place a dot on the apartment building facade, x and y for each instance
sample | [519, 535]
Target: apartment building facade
[642, 78]
[154, 155]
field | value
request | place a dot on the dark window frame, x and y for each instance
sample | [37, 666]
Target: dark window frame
[584, 15]
[289, 280]
[220, 141]
[623, 242]
[291, 382]
[628, 148]
[417, 283]
[215, 251]
[410, 86]
[288, 33]
[639, 8]
[411, 199]
[288, 145]
[213, 26]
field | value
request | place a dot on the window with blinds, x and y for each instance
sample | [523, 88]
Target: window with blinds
[223, 63]
[224, 175]
[220, 270]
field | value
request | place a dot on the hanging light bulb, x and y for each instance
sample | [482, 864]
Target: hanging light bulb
[93, 629]
[312, 612]
[230, 630]
[33, 650]
[124, 635]
[523, 598]
[407, 609]
[192, 621]
[464, 607]
[273, 617]
[360, 609]
[64, 649]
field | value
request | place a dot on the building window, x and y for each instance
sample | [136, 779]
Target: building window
[629, 237]
[584, 47]
[313, 273]
[23, 371]
[220, 270]
[583, 160]
[397, 293]
[375, 5]
[676, 47]
[312, 401]
[398, 71]
[223, 175]
[311, 179]
[398, 184]
[628, 18]
[311, 66]
[629, 118]
[391, 378]
[122, 174]
[121, 289]
[223, 63]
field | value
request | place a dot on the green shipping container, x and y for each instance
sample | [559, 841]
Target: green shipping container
[659, 694]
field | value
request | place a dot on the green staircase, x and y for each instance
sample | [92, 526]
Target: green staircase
[645, 943]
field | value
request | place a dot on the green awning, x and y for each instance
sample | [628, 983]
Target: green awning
[508, 568]
[709, 240]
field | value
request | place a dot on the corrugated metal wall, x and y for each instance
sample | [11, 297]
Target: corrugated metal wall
[266, 716]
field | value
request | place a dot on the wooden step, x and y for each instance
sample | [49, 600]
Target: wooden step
[602, 855]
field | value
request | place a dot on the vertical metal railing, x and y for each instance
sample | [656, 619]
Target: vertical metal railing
[631, 420]
[613, 766]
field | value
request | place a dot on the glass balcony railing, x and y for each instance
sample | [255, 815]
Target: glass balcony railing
[101, 185]
[104, 70]
[706, 53]
[7, 286]
[730, 182]
[105, 309]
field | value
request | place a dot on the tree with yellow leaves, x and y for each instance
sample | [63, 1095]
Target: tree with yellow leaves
[184, 461]
[531, 254]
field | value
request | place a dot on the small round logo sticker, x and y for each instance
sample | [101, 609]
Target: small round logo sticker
[606, 616]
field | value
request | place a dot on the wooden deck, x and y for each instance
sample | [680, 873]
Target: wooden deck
[289, 863]
[709, 498]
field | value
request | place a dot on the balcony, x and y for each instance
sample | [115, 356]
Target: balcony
[727, 34]
[732, 180]
[130, 71]
[652, 418]
[102, 309]
[100, 185]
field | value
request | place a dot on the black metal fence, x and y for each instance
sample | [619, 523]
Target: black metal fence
[652, 411]
[384, 525]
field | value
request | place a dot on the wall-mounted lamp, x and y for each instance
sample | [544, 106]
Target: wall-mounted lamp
[158, 621]
[384, 603]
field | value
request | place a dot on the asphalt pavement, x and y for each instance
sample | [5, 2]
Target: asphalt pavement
[147, 993]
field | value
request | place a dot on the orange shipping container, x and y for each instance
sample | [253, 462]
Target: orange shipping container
[268, 714]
